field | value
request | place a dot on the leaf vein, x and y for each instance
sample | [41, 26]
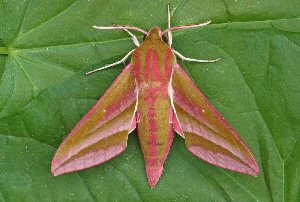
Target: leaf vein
[74, 44]
[23, 19]
[87, 188]
[129, 181]
[34, 87]
[49, 19]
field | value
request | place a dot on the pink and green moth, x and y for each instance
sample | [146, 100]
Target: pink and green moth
[154, 94]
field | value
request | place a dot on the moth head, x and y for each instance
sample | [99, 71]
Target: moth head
[155, 33]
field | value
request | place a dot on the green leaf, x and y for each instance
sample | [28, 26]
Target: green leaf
[46, 46]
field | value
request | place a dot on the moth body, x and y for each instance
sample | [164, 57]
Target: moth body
[152, 63]
[154, 94]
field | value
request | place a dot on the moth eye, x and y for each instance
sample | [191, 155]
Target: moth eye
[144, 37]
[164, 38]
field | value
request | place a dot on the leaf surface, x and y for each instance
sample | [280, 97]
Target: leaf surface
[47, 47]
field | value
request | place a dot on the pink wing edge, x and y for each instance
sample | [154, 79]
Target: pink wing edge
[178, 129]
[118, 150]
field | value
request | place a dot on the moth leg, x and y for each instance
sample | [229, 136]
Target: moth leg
[194, 60]
[113, 64]
[134, 38]
[169, 26]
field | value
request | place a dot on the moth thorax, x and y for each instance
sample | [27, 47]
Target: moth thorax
[154, 33]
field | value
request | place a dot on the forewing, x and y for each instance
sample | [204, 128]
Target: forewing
[103, 132]
[208, 135]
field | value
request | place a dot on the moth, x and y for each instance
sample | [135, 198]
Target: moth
[154, 94]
